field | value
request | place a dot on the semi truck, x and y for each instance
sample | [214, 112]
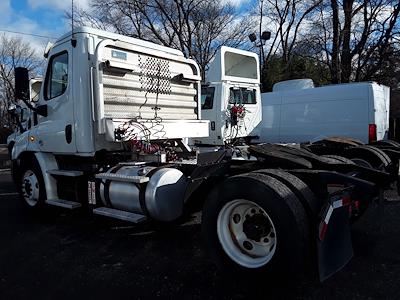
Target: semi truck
[120, 129]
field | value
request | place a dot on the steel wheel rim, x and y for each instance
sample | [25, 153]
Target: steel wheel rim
[30, 188]
[246, 233]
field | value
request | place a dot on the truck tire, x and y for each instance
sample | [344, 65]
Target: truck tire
[374, 156]
[253, 225]
[388, 143]
[31, 186]
[341, 159]
[361, 162]
[298, 187]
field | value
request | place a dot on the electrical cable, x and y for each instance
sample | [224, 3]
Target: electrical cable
[139, 131]
[31, 34]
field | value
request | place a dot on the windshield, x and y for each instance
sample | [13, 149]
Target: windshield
[242, 96]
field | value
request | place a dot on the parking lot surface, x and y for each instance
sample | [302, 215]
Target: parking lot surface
[68, 255]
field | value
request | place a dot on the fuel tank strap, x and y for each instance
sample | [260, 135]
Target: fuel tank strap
[107, 184]
[107, 193]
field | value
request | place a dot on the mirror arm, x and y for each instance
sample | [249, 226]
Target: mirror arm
[17, 120]
[40, 110]
[21, 128]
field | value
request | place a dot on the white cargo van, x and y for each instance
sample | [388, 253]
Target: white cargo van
[297, 112]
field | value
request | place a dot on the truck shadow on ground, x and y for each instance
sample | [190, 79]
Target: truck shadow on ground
[66, 255]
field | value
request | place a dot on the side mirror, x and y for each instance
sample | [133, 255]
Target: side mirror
[22, 91]
[22, 83]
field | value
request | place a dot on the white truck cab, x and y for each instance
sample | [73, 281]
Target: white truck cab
[96, 80]
[230, 98]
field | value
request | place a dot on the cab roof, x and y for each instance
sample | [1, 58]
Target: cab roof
[118, 37]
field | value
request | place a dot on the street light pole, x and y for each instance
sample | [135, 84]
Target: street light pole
[259, 36]
[260, 42]
[263, 36]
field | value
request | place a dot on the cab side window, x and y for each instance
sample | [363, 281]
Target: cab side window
[207, 97]
[242, 96]
[57, 76]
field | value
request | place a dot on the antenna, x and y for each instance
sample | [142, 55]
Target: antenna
[73, 40]
[72, 17]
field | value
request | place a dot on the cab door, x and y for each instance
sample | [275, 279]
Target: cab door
[55, 131]
[211, 110]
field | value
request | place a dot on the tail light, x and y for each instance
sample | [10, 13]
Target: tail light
[372, 133]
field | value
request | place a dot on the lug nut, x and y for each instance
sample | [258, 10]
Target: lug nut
[236, 218]
[247, 245]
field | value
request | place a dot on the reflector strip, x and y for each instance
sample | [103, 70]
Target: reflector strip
[328, 214]
[323, 226]
[346, 201]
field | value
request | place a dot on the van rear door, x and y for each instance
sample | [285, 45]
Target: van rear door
[380, 102]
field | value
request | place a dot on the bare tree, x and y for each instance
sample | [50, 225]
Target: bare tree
[289, 17]
[14, 52]
[356, 37]
[196, 27]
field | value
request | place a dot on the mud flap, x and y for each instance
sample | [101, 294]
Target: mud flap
[398, 178]
[334, 242]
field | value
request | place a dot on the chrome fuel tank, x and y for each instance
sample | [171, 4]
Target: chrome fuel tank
[160, 196]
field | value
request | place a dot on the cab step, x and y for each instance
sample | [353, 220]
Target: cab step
[125, 178]
[67, 173]
[64, 203]
[119, 214]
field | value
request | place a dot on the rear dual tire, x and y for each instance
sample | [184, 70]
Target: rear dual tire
[255, 225]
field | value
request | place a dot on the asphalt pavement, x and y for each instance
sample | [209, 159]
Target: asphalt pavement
[69, 255]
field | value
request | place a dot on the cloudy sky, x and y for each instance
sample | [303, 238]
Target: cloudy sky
[40, 17]
[46, 18]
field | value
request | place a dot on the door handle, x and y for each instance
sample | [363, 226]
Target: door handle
[68, 133]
